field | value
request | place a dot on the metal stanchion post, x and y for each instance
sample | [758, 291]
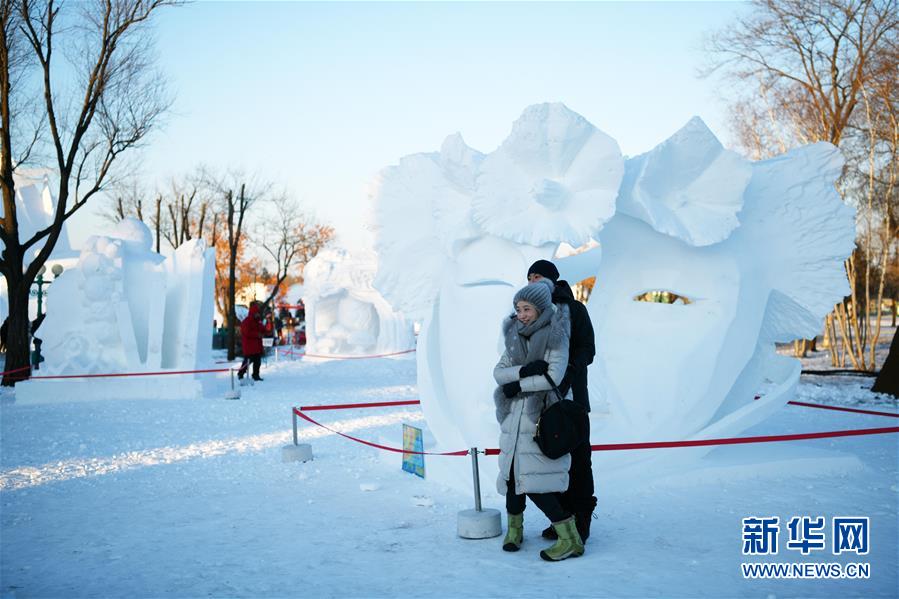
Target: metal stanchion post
[298, 452]
[478, 523]
[476, 476]
[233, 393]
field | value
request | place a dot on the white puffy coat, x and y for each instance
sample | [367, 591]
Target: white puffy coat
[534, 472]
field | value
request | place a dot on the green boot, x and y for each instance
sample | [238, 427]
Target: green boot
[515, 534]
[568, 545]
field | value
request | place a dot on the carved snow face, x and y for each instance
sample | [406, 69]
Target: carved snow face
[665, 368]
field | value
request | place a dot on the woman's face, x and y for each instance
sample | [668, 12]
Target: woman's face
[526, 312]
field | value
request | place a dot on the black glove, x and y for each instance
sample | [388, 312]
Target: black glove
[512, 389]
[535, 367]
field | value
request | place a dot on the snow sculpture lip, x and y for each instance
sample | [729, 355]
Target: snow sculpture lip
[555, 178]
[688, 186]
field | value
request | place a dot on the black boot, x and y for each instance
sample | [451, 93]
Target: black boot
[549, 533]
[257, 378]
[582, 520]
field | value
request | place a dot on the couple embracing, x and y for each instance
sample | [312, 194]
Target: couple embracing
[548, 342]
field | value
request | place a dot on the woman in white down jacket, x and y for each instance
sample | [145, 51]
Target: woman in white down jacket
[536, 341]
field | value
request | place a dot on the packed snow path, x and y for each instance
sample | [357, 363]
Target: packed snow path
[190, 499]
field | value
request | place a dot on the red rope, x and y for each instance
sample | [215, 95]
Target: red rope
[16, 370]
[741, 440]
[347, 406]
[377, 445]
[408, 351]
[628, 446]
[839, 409]
[121, 374]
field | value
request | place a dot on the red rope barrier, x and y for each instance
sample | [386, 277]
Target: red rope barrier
[377, 445]
[408, 351]
[629, 446]
[16, 370]
[347, 406]
[840, 409]
[126, 374]
[741, 440]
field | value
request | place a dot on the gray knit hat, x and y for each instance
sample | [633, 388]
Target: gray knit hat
[538, 293]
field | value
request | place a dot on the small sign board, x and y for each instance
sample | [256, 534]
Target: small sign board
[412, 441]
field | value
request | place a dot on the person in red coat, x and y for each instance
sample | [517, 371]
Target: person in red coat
[251, 339]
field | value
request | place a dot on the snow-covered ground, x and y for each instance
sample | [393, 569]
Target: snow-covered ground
[191, 499]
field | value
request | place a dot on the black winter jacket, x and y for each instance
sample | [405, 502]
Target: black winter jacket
[581, 348]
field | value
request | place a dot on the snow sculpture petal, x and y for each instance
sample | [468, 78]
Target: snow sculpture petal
[344, 313]
[421, 207]
[688, 186]
[800, 231]
[555, 178]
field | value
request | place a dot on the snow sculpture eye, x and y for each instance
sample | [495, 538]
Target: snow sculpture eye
[663, 296]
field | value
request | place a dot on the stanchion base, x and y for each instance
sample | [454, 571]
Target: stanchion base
[485, 524]
[296, 453]
[232, 394]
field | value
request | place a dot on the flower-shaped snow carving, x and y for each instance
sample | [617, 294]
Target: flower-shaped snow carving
[555, 178]
[688, 186]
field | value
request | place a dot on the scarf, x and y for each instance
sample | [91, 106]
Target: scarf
[527, 343]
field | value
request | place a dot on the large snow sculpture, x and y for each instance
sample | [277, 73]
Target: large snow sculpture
[691, 369]
[344, 313]
[456, 232]
[127, 309]
[754, 251]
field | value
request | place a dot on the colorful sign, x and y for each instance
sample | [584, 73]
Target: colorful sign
[412, 441]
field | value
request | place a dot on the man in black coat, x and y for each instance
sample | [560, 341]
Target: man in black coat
[579, 497]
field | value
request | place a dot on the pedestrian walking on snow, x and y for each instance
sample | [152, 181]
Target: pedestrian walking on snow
[536, 345]
[251, 340]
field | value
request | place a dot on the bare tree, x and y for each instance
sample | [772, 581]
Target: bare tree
[116, 99]
[291, 239]
[236, 195]
[807, 72]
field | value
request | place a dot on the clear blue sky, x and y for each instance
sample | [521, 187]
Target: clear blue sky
[318, 97]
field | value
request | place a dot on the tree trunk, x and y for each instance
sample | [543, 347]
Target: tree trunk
[232, 311]
[18, 340]
[888, 379]
[158, 221]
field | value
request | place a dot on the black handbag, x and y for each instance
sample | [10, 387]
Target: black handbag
[560, 427]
